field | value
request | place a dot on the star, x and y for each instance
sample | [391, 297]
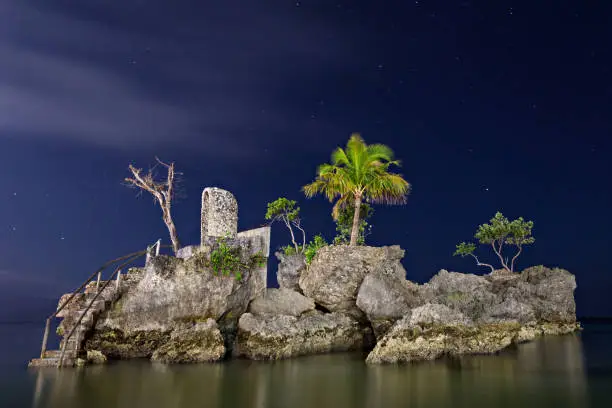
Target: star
[380, 66]
[14, 228]
[14, 194]
[62, 238]
[486, 188]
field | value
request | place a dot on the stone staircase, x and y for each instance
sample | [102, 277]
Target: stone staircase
[83, 304]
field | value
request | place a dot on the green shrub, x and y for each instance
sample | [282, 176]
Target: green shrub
[226, 260]
[313, 246]
[288, 250]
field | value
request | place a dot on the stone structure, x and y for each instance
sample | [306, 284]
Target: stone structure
[219, 213]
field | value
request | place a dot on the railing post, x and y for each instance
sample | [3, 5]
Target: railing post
[43, 349]
[148, 258]
[98, 281]
[118, 280]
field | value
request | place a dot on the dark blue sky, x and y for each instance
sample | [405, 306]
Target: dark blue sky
[491, 106]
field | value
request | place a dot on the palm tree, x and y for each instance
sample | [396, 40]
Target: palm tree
[359, 173]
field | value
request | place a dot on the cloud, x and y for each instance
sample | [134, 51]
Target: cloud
[127, 77]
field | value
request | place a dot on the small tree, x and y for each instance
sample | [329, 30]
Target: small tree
[163, 191]
[344, 224]
[497, 233]
[284, 210]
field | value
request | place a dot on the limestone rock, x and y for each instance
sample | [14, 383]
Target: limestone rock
[433, 330]
[336, 273]
[173, 290]
[281, 302]
[187, 251]
[290, 268]
[435, 314]
[115, 344]
[551, 294]
[283, 336]
[470, 294]
[385, 299]
[95, 357]
[199, 343]
[510, 309]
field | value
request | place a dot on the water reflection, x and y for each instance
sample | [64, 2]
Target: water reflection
[549, 372]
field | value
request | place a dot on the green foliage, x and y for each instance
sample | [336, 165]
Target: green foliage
[226, 260]
[259, 260]
[288, 250]
[465, 249]
[344, 224]
[502, 231]
[497, 233]
[313, 246]
[283, 209]
[359, 172]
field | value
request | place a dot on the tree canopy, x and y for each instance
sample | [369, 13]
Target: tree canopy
[497, 233]
[360, 172]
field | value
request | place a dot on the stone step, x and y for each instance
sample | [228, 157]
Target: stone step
[51, 362]
[57, 353]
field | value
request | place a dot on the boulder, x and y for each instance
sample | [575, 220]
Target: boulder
[290, 268]
[336, 273]
[281, 302]
[435, 314]
[385, 299]
[95, 357]
[508, 310]
[187, 251]
[434, 330]
[550, 294]
[470, 294]
[174, 290]
[201, 342]
[282, 336]
[118, 345]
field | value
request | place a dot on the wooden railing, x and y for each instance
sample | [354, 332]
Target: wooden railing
[98, 275]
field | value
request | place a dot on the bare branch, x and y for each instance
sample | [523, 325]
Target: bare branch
[161, 191]
[482, 264]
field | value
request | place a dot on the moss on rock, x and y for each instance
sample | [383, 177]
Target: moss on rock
[201, 342]
[115, 344]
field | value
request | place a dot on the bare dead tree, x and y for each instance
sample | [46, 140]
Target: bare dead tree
[162, 191]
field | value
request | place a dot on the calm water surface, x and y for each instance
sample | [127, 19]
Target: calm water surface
[567, 371]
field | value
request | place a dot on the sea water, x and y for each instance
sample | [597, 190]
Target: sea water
[565, 371]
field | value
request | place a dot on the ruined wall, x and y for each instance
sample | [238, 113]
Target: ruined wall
[219, 213]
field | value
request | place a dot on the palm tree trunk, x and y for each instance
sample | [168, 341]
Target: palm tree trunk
[355, 229]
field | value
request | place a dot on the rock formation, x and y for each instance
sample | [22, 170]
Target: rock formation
[290, 268]
[469, 314]
[349, 298]
[280, 336]
[167, 313]
[336, 273]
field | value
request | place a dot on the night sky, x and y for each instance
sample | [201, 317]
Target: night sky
[490, 105]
